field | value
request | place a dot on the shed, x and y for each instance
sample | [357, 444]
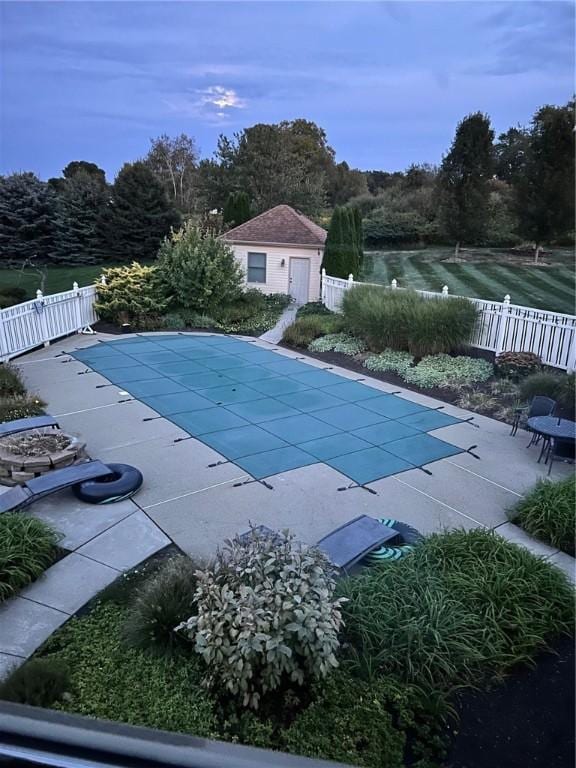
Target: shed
[280, 252]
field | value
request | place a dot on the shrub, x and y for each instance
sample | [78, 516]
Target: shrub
[313, 308]
[383, 227]
[12, 408]
[351, 722]
[11, 384]
[338, 342]
[163, 601]
[448, 372]
[517, 365]
[27, 548]
[548, 512]
[173, 321]
[558, 386]
[479, 402]
[131, 291]
[14, 292]
[266, 614]
[39, 683]
[390, 360]
[464, 606]
[305, 329]
[403, 320]
[198, 320]
[198, 270]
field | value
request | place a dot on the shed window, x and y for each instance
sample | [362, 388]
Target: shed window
[256, 267]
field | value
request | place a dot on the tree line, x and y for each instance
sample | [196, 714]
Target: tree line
[485, 192]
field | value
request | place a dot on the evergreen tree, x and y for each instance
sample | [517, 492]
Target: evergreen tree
[27, 208]
[236, 209]
[359, 230]
[138, 216]
[341, 248]
[545, 190]
[464, 180]
[81, 204]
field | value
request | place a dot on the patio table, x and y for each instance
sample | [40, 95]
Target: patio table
[552, 426]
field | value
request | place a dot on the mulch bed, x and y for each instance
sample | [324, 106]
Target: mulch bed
[526, 722]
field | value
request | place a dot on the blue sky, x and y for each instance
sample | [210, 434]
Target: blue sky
[387, 81]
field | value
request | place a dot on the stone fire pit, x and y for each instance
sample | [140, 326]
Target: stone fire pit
[28, 455]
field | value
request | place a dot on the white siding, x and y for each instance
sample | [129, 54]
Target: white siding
[276, 274]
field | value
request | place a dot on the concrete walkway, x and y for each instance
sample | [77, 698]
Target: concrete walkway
[274, 335]
[191, 498]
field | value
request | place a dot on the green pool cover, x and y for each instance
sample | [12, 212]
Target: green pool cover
[269, 414]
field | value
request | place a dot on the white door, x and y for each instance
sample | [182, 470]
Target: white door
[299, 280]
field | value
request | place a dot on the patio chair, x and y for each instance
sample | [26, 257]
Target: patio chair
[55, 480]
[560, 449]
[540, 405]
[22, 425]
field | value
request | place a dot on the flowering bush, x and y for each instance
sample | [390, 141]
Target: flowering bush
[390, 360]
[338, 342]
[266, 613]
[448, 372]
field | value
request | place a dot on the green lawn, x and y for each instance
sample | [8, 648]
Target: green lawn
[552, 287]
[59, 278]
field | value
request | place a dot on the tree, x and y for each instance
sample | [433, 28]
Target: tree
[174, 162]
[75, 168]
[359, 232]
[545, 189]
[341, 247]
[81, 203]
[199, 270]
[510, 154]
[27, 208]
[344, 182]
[236, 209]
[138, 216]
[274, 163]
[463, 180]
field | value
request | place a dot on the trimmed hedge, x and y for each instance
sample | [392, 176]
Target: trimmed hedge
[548, 512]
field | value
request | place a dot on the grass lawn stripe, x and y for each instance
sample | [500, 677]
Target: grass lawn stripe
[560, 282]
[465, 280]
[528, 293]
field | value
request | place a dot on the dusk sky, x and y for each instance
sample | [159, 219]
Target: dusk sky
[387, 81]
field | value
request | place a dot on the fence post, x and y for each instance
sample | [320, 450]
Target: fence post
[4, 351]
[323, 286]
[504, 314]
[394, 284]
[350, 280]
[39, 307]
[571, 368]
[77, 306]
[445, 290]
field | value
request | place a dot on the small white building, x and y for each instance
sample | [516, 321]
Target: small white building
[280, 252]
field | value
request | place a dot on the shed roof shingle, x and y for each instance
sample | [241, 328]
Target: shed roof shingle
[281, 224]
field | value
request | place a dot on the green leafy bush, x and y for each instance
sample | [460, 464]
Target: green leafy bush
[39, 683]
[12, 408]
[351, 721]
[266, 614]
[390, 360]
[253, 313]
[131, 291]
[198, 320]
[338, 342]
[113, 682]
[27, 548]
[559, 386]
[11, 384]
[448, 372]
[198, 270]
[382, 228]
[163, 601]
[464, 606]
[313, 308]
[404, 320]
[305, 329]
[517, 365]
[548, 512]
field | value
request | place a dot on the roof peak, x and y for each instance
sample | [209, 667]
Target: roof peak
[280, 224]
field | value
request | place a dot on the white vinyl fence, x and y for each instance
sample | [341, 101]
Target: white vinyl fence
[501, 326]
[33, 323]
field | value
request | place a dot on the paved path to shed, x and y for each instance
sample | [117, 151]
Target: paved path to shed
[194, 499]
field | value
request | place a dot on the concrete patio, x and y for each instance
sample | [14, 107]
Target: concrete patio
[187, 500]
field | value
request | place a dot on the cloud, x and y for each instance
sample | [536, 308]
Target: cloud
[214, 103]
[218, 96]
